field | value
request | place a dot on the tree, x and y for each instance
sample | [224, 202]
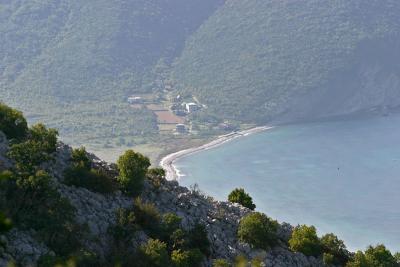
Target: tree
[240, 196]
[79, 158]
[46, 137]
[12, 122]
[35, 150]
[305, 240]
[258, 230]
[377, 256]
[332, 245]
[380, 256]
[132, 168]
[397, 257]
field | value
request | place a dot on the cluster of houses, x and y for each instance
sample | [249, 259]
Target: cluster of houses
[178, 108]
[183, 109]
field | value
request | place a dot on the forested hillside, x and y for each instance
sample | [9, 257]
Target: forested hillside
[257, 60]
[74, 62]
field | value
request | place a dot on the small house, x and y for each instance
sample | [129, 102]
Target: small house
[190, 107]
[135, 100]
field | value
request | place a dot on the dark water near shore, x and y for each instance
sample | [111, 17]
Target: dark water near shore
[343, 177]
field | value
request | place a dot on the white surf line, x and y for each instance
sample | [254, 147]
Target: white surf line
[167, 162]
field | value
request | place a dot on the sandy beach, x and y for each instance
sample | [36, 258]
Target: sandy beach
[167, 163]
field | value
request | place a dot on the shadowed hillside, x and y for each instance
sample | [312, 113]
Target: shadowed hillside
[262, 60]
[74, 62]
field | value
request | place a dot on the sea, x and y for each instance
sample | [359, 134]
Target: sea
[342, 177]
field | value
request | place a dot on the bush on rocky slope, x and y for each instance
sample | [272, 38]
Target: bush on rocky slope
[81, 174]
[132, 168]
[240, 196]
[12, 122]
[305, 240]
[377, 256]
[258, 230]
[30, 197]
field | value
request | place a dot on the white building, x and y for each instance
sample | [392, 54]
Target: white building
[190, 107]
[135, 100]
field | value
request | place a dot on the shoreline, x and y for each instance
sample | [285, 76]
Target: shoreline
[167, 162]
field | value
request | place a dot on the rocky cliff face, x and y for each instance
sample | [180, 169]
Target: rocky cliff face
[98, 212]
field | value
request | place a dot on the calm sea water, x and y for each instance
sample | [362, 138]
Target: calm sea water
[343, 177]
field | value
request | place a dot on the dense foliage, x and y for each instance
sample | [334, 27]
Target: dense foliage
[258, 230]
[240, 196]
[377, 256]
[81, 174]
[28, 195]
[170, 245]
[132, 168]
[12, 122]
[305, 240]
[335, 251]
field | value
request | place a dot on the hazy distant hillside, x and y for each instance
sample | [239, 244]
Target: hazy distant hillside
[256, 60]
[74, 62]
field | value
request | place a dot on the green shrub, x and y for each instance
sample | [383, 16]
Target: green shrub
[377, 256]
[132, 168]
[198, 239]
[147, 216]
[180, 258]
[156, 172]
[305, 240]
[156, 176]
[335, 247]
[195, 257]
[328, 259]
[220, 263]
[124, 228]
[178, 240]
[93, 180]
[397, 257]
[28, 156]
[12, 122]
[154, 254]
[5, 223]
[240, 196]
[31, 153]
[80, 259]
[81, 174]
[258, 230]
[240, 261]
[34, 203]
[186, 258]
[79, 158]
[170, 223]
[47, 138]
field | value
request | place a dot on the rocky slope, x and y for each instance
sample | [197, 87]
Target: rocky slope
[99, 212]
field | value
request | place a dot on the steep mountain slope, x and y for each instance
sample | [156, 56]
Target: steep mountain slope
[74, 62]
[257, 60]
